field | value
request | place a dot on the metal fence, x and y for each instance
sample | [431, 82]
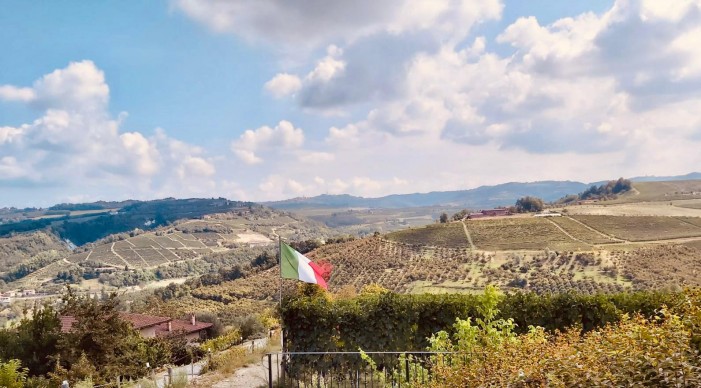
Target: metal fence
[356, 369]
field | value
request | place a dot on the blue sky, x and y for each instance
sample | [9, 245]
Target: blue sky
[272, 99]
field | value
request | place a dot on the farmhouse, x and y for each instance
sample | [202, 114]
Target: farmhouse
[150, 326]
[191, 330]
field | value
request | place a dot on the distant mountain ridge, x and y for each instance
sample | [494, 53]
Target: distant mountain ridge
[504, 194]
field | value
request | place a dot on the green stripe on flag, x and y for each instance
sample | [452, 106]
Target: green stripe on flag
[289, 262]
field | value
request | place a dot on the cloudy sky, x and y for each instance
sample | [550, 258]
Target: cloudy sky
[271, 99]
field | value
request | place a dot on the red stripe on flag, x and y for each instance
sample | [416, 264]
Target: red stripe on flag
[317, 274]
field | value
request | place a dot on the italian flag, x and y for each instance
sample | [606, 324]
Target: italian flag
[295, 266]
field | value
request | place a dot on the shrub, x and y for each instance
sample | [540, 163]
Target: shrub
[12, 375]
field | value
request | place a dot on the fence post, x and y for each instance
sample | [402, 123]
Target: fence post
[170, 375]
[406, 364]
[270, 370]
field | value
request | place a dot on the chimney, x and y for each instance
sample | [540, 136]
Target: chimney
[170, 326]
[192, 319]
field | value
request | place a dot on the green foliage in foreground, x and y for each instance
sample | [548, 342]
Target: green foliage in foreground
[12, 375]
[387, 321]
[659, 351]
[487, 348]
[99, 348]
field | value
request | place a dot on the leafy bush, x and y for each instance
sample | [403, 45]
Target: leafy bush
[392, 322]
[222, 342]
[12, 375]
[632, 352]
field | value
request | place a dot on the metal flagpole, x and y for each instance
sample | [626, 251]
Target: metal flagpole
[282, 362]
[279, 250]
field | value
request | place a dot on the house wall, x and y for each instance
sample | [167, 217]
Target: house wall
[148, 332]
[192, 337]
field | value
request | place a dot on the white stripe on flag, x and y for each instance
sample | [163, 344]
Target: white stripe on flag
[306, 273]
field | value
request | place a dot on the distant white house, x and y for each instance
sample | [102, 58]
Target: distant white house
[5, 300]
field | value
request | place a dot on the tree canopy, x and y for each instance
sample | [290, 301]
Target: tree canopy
[529, 204]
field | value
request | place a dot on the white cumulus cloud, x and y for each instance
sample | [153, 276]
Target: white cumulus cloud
[283, 84]
[283, 137]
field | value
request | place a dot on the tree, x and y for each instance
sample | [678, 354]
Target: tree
[460, 215]
[101, 337]
[37, 339]
[529, 204]
[444, 218]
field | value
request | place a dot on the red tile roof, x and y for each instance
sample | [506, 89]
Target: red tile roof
[66, 323]
[180, 327]
[141, 321]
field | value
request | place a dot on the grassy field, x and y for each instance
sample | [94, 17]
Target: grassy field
[641, 228]
[693, 244]
[519, 234]
[450, 235]
[688, 204]
[696, 221]
[581, 232]
[661, 191]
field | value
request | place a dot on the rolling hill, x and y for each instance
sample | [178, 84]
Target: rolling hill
[481, 197]
[584, 253]
[478, 198]
[85, 223]
[185, 248]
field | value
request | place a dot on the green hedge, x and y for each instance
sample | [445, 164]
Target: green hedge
[394, 322]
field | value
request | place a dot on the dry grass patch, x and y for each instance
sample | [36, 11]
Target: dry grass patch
[519, 234]
[450, 235]
[641, 228]
[580, 231]
[662, 191]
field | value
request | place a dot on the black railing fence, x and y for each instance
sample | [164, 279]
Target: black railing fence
[356, 369]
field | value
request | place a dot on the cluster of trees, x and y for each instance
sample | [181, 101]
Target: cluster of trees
[444, 218]
[529, 204]
[100, 346]
[607, 190]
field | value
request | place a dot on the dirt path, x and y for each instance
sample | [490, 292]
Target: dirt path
[251, 376]
[567, 233]
[598, 231]
[117, 254]
[467, 234]
[676, 240]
